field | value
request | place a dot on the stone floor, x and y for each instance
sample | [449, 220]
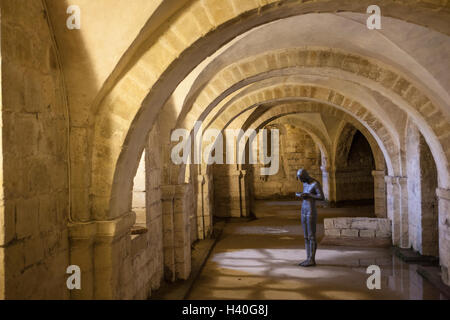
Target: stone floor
[258, 260]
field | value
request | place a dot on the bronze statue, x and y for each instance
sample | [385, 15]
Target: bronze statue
[312, 191]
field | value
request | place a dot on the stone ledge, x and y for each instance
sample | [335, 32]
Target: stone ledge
[102, 229]
[356, 242]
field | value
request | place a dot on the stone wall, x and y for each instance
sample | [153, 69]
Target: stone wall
[354, 180]
[297, 150]
[422, 200]
[229, 191]
[34, 215]
[358, 228]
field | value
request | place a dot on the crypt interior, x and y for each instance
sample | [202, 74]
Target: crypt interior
[87, 170]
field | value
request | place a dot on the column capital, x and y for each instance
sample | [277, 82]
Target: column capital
[443, 193]
[82, 230]
[395, 179]
[101, 229]
[378, 173]
[402, 180]
[390, 179]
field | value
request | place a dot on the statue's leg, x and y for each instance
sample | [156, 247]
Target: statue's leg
[311, 222]
[305, 235]
[313, 247]
[308, 252]
[313, 241]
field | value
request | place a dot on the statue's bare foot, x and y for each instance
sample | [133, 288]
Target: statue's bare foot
[303, 263]
[308, 263]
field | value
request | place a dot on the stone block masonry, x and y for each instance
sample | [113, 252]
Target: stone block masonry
[358, 228]
[297, 150]
[34, 245]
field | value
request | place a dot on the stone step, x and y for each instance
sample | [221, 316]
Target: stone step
[412, 256]
[433, 275]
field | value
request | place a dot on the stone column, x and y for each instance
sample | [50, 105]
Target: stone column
[201, 206]
[112, 257]
[393, 207]
[379, 193]
[404, 221]
[167, 203]
[397, 209]
[204, 221]
[99, 249]
[244, 194]
[176, 227]
[182, 228]
[332, 186]
[444, 233]
[208, 189]
[234, 196]
[82, 238]
[325, 182]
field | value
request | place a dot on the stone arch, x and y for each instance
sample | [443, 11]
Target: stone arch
[353, 169]
[254, 66]
[293, 108]
[107, 133]
[288, 90]
[236, 105]
[200, 19]
[133, 101]
[319, 58]
[327, 96]
[342, 144]
[317, 136]
[413, 99]
[299, 146]
[104, 176]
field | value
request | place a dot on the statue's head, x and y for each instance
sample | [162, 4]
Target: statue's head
[303, 175]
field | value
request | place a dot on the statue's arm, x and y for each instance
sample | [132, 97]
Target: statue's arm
[318, 192]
